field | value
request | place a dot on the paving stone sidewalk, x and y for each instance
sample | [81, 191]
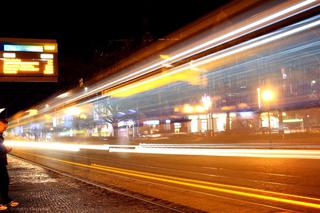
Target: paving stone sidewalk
[40, 190]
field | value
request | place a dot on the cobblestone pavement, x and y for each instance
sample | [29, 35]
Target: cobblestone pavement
[41, 190]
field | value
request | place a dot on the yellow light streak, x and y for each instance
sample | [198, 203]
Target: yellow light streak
[164, 56]
[214, 184]
[32, 112]
[188, 75]
[196, 184]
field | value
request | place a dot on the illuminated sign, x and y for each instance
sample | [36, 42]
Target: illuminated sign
[28, 60]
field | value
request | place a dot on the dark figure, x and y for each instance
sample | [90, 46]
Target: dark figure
[5, 200]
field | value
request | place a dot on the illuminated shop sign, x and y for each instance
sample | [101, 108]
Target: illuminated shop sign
[28, 60]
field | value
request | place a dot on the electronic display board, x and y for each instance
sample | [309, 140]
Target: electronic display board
[28, 60]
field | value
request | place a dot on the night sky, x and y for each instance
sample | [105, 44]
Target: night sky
[91, 36]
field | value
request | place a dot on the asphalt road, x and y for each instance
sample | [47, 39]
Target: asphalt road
[208, 183]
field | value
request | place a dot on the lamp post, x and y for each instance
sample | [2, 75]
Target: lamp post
[267, 97]
[207, 104]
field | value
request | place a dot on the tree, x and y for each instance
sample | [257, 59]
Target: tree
[108, 111]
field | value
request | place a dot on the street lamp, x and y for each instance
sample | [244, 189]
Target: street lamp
[207, 103]
[268, 96]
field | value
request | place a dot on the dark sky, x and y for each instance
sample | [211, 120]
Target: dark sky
[91, 35]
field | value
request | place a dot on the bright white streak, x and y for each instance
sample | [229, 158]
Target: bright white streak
[43, 145]
[207, 44]
[55, 146]
[214, 57]
[261, 153]
[268, 153]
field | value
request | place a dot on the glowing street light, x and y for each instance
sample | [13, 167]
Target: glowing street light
[268, 96]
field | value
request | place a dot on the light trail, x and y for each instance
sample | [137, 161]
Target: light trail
[213, 57]
[55, 146]
[260, 145]
[169, 150]
[260, 153]
[306, 202]
[267, 20]
[274, 17]
[214, 184]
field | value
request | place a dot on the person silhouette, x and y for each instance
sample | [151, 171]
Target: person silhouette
[5, 200]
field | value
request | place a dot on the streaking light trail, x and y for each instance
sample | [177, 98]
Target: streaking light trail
[169, 150]
[290, 199]
[267, 20]
[261, 153]
[210, 58]
[55, 146]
